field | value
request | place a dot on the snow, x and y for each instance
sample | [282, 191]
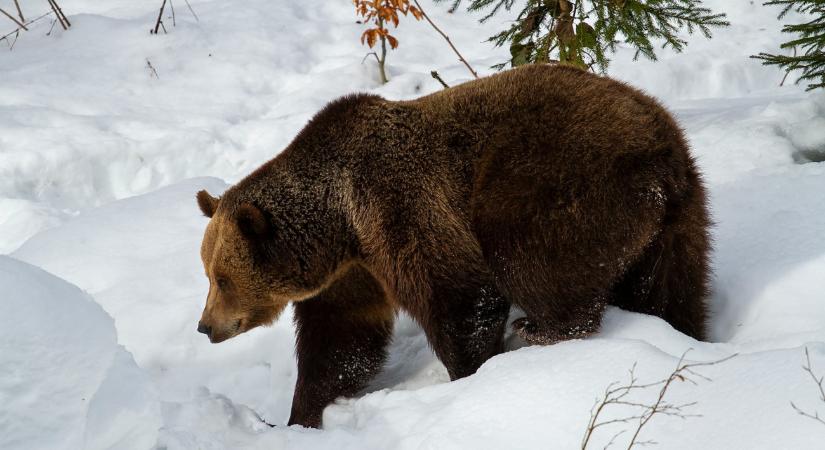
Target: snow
[63, 371]
[100, 161]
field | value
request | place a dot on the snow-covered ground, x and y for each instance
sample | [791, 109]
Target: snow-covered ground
[100, 160]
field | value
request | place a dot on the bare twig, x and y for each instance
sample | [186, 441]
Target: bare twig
[152, 68]
[19, 11]
[11, 43]
[54, 10]
[54, 22]
[14, 19]
[616, 394]
[818, 381]
[438, 77]
[613, 439]
[160, 18]
[461, 58]
[59, 14]
[368, 55]
[17, 30]
[16, 35]
[820, 384]
[192, 11]
[172, 7]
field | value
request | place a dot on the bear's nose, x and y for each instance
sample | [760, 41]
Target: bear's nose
[204, 329]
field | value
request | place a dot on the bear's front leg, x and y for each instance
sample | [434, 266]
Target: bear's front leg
[342, 336]
[464, 321]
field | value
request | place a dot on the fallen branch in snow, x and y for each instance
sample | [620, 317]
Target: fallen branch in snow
[616, 394]
[460, 58]
[152, 68]
[819, 383]
[438, 77]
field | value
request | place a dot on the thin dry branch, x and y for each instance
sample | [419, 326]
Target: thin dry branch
[51, 28]
[617, 394]
[54, 10]
[192, 11]
[19, 11]
[11, 43]
[14, 19]
[160, 19]
[820, 384]
[152, 69]
[17, 30]
[447, 38]
[59, 14]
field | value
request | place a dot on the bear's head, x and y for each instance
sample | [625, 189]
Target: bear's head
[253, 272]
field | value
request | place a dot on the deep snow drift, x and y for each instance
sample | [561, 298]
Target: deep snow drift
[100, 160]
[65, 381]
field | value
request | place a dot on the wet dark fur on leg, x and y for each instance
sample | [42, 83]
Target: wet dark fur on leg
[341, 343]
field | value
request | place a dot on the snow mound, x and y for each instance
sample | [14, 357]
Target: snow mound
[66, 383]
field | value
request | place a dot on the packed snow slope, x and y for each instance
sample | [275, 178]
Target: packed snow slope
[66, 383]
[100, 157]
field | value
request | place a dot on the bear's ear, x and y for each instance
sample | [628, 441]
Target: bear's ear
[251, 221]
[207, 203]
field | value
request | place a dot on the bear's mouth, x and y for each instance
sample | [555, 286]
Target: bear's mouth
[237, 328]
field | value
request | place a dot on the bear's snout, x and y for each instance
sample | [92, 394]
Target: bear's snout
[207, 330]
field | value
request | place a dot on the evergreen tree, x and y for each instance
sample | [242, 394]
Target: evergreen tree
[583, 32]
[811, 40]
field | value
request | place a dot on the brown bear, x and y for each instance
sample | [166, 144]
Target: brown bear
[546, 187]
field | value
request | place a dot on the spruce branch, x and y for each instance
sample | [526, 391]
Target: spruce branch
[584, 32]
[810, 39]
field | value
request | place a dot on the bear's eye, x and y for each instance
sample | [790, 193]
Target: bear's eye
[223, 283]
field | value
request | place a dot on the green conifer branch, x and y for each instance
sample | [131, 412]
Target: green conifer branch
[584, 32]
[811, 40]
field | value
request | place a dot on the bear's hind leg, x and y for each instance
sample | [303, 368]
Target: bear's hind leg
[670, 280]
[342, 336]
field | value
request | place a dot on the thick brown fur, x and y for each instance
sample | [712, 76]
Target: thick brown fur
[545, 186]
